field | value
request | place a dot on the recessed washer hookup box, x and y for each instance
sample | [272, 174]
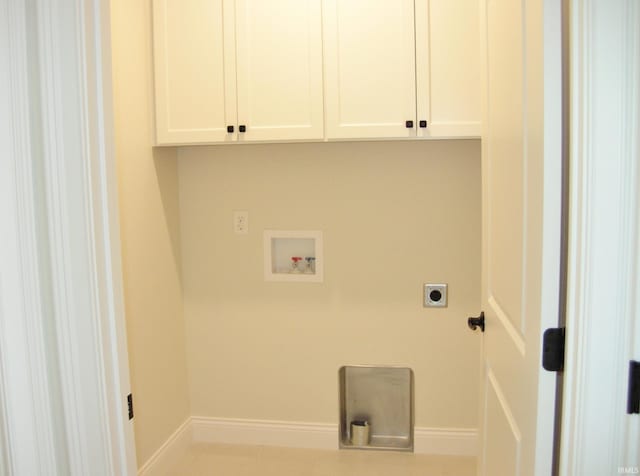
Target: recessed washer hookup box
[380, 398]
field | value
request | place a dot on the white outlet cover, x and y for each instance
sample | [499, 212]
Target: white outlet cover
[241, 222]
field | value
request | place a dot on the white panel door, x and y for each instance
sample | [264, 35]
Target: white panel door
[448, 68]
[194, 70]
[521, 160]
[370, 88]
[279, 58]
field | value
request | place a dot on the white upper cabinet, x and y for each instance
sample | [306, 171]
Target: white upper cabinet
[238, 70]
[291, 70]
[194, 71]
[448, 68]
[370, 76]
[401, 68]
[279, 69]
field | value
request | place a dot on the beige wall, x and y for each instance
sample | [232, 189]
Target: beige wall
[394, 215]
[148, 194]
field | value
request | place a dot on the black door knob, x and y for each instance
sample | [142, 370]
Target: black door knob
[243, 128]
[423, 124]
[475, 322]
[409, 124]
[230, 129]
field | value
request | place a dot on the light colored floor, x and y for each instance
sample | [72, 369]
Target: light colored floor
[236, 460]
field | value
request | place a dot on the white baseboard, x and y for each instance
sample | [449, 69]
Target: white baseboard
[265, 432]
[170, 453]
[446, 441]
[441, 441]
[435, 441]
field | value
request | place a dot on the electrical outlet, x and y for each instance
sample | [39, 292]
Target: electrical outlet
[241, 222]
[435, 295]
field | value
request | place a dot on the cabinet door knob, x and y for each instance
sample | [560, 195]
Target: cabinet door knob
[242, 128]
[423, 124]
[230, 129]
[409, 124]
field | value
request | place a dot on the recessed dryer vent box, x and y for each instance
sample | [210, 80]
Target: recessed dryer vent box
[281, 246]
[383, 398]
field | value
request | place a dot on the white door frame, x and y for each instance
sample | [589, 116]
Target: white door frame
[59, 245]
[64, 372]
[603, 308]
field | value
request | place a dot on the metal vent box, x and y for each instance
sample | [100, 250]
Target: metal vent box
[381, 396]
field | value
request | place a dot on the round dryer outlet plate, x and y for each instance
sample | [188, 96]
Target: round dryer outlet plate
[435, 295]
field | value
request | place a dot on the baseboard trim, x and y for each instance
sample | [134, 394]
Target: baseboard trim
[170, 453]
[441, 441]
[435, 441]
[446, 441]
[265, 432]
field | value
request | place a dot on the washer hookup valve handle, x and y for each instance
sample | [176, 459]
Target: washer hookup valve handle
[311, 265]
[294, 264]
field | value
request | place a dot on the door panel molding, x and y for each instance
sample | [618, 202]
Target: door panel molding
[506, 409]
[495, 394]
[514, 334]
[505, 140]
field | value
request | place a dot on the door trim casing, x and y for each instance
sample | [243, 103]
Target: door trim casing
[604, 257]
[64, 361]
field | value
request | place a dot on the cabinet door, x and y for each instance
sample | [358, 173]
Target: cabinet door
[279, 58]
[369, 48]
[194, 71]
[448, 67]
